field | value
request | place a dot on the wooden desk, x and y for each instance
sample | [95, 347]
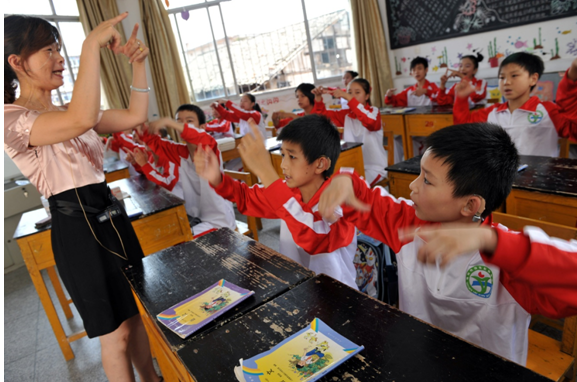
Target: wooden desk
[162, 224]
[176, 273]
[398, 347]
[393, 124]
[351, 156]
[232, 154]
[546, 190]
[116, 170]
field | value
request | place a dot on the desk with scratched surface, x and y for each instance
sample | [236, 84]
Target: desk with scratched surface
[174, 274]
[546, 190]
[398, 347]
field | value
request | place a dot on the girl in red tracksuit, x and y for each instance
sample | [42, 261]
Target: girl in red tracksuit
[305, 100]
[362, 123]
[240, 114]
[467, 69]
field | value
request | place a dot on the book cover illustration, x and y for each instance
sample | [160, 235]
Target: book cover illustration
[305, 356]
[188, 316]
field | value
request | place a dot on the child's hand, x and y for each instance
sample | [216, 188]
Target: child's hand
[446, 243]
[207, 166]
[390, 92]
[129, 156]
[339, 192]
[420, 90]
[464, 89]
[338, 93]
[444, 79]
[256, 157]
[276, 117]
[573, 70]
[221, 101]
[214, 105]
[318, 92]
[140, 156]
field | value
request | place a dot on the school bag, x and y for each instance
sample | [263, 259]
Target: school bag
[376, 267]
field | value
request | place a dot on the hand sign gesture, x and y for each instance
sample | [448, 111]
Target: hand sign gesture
[420, 90]
[134, 49]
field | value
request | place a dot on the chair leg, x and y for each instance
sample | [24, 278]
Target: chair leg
[258, 223]
[253, 226]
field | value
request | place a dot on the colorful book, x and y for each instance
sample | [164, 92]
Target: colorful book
[305, 356]
[188, 316]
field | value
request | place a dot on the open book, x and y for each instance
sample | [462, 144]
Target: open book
[305, 356]
[188, 316]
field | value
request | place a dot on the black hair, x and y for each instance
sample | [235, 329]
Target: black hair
[476, 59]
[24, 36]
[253, 99]
[352, 73]
[366, 87]
[529, 62]
[482, 158]
[306, 90]
[317, 137]
[195, 109]
[419, 60]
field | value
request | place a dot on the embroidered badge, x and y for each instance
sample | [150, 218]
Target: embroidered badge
[535, 117]
[479, 281]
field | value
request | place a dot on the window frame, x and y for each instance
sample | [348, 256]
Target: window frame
[210, 3]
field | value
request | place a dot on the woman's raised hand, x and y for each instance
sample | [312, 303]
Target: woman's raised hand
[134, 49]
[106, 35]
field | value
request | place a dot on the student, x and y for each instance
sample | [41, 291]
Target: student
[347, 78]
[121, 143]
[534, 126]
[466, 173]
[468, 67]
[219, 127]
[310, 149]
[423, 93]
[305, 100]
[362, 123]
[200, 200]
[248, 109]
[566, 96]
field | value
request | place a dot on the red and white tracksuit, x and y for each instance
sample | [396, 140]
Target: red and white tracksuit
[480, 93]
[362, 124]
[323, 247]
[529, 273]
[535, 127]
[241, 116]
[285, 121]
[220, 128]
[408, 98]
[200, 200]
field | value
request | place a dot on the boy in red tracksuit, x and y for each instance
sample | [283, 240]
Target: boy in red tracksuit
[310, 149]
[200, 200]
[123, 143]
[494, 281]
[534, 126]
[423, 93]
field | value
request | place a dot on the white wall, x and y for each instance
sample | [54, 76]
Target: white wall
[506, 39]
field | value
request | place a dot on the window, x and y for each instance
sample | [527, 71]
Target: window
[231, 47]
[63, 14]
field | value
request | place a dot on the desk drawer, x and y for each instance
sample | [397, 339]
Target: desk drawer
[552, 208]
[394, 123]
[425, 125]
[399, 184]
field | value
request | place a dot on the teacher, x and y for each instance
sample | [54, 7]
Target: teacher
[58, 149]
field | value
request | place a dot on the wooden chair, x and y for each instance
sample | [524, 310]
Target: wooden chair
[564, 145]
[251, 227]
[547, 356]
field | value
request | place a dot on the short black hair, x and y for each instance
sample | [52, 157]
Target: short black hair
[306, 89]
[530, 62]
[317, 137]
[419, 60]
[195, 109]
[483, 160]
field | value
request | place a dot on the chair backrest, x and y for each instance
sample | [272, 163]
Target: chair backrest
[247, 178]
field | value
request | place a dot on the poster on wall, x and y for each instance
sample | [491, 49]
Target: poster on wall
[413, 22]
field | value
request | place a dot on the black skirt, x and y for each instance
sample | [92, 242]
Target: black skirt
[91, 274]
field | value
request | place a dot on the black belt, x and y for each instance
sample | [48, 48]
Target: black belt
[74, 209]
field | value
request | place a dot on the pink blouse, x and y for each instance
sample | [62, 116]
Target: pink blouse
[52, 168]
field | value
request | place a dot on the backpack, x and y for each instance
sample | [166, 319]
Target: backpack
[376, 266]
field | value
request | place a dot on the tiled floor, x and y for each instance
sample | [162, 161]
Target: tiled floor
[31, 352]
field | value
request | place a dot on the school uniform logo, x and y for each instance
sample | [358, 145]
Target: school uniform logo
[479, 281]
[535, 117]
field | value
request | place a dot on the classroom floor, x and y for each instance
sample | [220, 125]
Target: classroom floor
[31, 352]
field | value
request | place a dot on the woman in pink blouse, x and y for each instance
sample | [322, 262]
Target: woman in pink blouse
[59, 150]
